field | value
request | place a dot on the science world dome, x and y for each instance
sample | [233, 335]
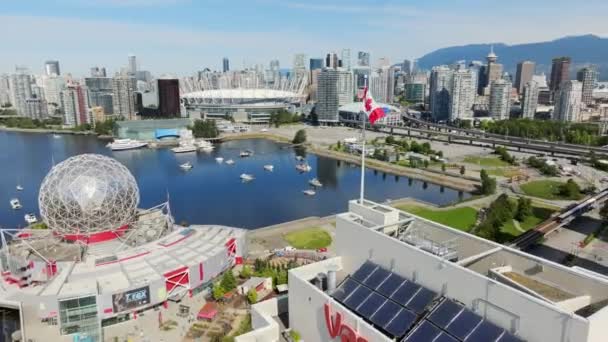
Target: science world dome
[87, 194]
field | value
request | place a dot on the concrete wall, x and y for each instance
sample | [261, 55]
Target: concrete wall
[306, 307]
[266, 329]
[530, 318]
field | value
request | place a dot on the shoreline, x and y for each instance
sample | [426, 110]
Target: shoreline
[45, 131]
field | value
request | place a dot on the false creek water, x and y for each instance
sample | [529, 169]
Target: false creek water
[210, 193]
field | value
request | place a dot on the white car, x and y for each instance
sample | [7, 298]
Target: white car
[264, 130]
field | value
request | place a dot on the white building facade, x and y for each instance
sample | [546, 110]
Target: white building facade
[500, 99]
[462, 95]
[529, 101]
[568, 102]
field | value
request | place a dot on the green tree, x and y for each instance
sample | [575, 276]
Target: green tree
[570, 189]
[246, 272]
[282, 277]
[218, 291]
[524, 208]
[425, 163]
[390, 140]
[463, 170]
[252, 296]
[300, 137]
[295, 335]
[228, 281]
[443, 167]
[205, 129]
[488, 184]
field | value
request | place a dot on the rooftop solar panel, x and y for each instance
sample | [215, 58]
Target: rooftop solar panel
[445, 313]
[405, 292]
[390, 284]
[484, 332]
[347, 287]
[385, 314]
[357, 297]
[376, 278]
[444, 337]
[364, 271]
[371, 305]
[463, 324]
[421, 300]
[399, 325]
[425, 332]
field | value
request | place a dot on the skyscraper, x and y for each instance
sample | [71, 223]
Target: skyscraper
[132, 65]
[500, 99]
[462, 95]
[345, 58]
[316, 63]
[75, 105]
[100, 93]
[525, 71]
[493, 71]
[20, 85]
[588, 77]
[299, 61]
[568, 101]
[382, 84]
[275, 65]
[363, 59]
[52, 68]
[98, 72]
[225, 64]
[406, 67]
[560, 71]
[5, 93]
[53, 86]
[123, 88]
[327, 96]
[529, 101]
[439, 92]
[168, 98]
[331, 60]
[345, 87]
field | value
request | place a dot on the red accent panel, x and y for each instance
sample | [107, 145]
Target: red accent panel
[108, 310]
[200, 271]
[176, 271]
[260, 286]
[333, 326]
[238, 260]
[176, 241]
[24, 235]
[97, 237]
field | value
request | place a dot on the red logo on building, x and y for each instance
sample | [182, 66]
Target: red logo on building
[336, 327]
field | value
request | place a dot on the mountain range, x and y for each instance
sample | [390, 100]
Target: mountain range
[584, 50]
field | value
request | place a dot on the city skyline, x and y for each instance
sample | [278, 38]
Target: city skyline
[106, 31]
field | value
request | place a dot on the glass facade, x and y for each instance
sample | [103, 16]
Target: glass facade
[79, 316]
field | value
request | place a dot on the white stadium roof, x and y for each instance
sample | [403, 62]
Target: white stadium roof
[242, 93]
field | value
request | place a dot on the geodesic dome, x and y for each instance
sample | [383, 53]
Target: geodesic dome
[86, 194]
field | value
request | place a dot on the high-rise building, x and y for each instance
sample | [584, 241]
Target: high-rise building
[416, 86]
[20, 85]
[363, 59]
[98, 71]
[299, 62]
[275, 65]
[360, 74]
[462, 95]
[382, 83]
[100, 93]
[529, 101]
[5, 93]
[345, 87]
[560, 72]
[383, 62]
[588, 77]
[123, 88]
[168, 98]
[53, 86]
[500, 99]
[345, 58]
[52, 68]
[568, 101]
[132, 65]
[225, 64]
[525, 71]
[331, 60]
[406, 67]
[493, 71]
[36, 108]
[327, 96]
[316, 63]
[439, 92]
[75, 105]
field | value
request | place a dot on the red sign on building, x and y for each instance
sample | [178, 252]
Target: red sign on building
[337, 328]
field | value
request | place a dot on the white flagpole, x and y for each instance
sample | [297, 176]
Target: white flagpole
[363, 123]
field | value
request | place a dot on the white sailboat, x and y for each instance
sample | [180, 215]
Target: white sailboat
[219, 160]
[315, 182]
[303, 167]
[15, 204]
[186, 166]
[269, 167]
[125, 144]
[309, 192]
[246, 177]
[229, 162]
[30, 218]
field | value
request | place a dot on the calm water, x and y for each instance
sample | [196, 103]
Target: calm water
[210, 193]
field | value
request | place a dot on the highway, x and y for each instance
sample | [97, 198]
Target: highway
[568, 214]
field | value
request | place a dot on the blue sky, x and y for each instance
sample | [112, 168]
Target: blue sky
[182, 36]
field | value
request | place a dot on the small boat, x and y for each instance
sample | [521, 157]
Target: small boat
[246, 153]
[19, 188]
[309, 192]
[229, 162]
[205, 146]
[184, 149]
[219, 160]
[125, 144]
[303, 167]
[186, 166]
[30, 218]
[15, 204]
[56, 136]
[246, 177]
[269, 167]
[315, 182]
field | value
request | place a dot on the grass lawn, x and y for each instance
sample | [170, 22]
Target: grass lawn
[460, 218]
[547, 189]
[310, 238]
[503, 172]
[485, 161]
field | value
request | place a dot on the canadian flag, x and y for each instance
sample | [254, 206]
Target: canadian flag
[373, 111]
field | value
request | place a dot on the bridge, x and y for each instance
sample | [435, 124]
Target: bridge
[566, 216]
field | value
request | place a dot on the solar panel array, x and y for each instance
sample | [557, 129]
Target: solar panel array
[404, 309]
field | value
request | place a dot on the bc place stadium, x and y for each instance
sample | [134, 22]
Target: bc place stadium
[243, 96]
[103, 260]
